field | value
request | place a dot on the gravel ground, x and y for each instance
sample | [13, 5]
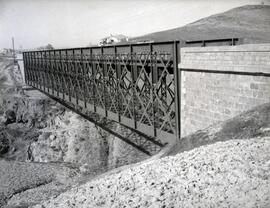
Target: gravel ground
[225, 174]
[36, 195]
[18, 177]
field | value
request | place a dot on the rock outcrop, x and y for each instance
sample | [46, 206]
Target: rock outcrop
[39, 129]
[35, 128]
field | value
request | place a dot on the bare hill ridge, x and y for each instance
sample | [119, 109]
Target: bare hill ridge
[251, 22]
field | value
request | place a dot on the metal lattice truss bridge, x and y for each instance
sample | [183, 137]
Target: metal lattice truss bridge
[134, 85]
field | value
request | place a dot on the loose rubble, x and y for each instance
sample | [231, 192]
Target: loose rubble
[225, 174]
[17, 177]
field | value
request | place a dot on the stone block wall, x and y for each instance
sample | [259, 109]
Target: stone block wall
[208, 98]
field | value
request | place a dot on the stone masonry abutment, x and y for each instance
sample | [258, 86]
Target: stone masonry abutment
[220, 82]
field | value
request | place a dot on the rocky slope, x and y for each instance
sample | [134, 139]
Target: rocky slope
[41, 130]
[229, 174]
[251, 22]
[225, 165]
[34, 128]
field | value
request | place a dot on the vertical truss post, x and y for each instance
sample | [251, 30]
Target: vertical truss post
[24, 66]
[61, 74]
[93, 78]
[65, 63]
[40, 69]
[51, 72]
[74, 75]
[118, 76]
[34, 69]
[48, 72]
[30, 68]
[42, 72]
[45, 70]
[68, 75]
[83, 78]
[152, 87]
[177, 85]
[133, 77]
[104, 71]
[28, 75]
[28, 62]
[56, 73]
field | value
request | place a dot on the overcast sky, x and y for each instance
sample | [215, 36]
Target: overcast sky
[76, 23]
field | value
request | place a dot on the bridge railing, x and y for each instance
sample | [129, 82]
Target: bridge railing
[137, 85]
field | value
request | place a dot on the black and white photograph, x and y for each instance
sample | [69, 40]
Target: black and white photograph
[134, 104]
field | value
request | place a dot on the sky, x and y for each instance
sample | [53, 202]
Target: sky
[77, 23]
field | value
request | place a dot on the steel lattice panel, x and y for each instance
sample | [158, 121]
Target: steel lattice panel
[135, 85]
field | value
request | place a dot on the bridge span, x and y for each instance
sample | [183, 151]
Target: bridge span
[135, 85]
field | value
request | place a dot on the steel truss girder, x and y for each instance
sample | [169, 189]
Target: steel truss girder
[135, 86]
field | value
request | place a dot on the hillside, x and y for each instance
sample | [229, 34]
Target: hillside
[45, 148]
[9, 75]
[251, 22]
[232, 173]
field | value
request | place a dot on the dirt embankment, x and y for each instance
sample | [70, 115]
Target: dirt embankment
[250, 124]
[225, 165]
[25, 184]
[224, 174]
